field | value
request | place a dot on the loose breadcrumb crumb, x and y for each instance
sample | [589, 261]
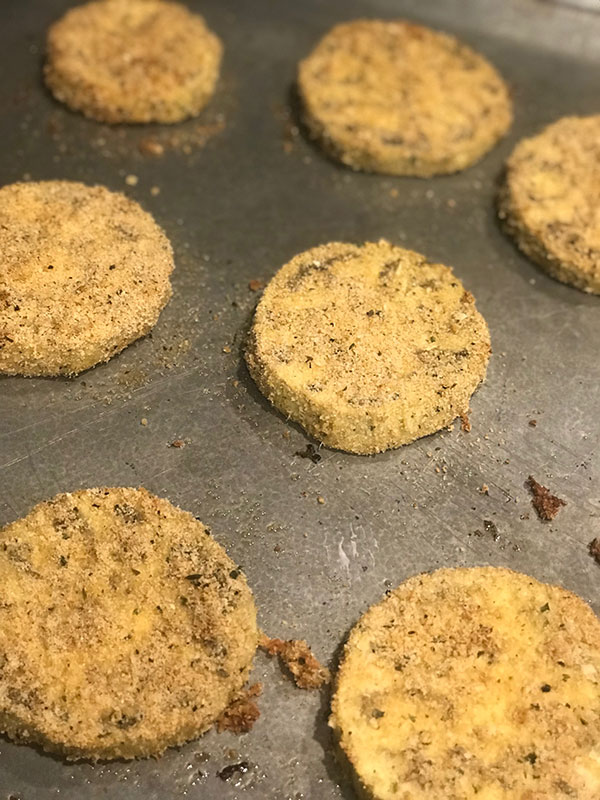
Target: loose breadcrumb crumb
[545, 503]
[296, 655]
[151, 147]
[241, 714]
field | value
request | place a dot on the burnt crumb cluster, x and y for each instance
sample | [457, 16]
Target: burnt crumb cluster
[545, 503]
[594, 548]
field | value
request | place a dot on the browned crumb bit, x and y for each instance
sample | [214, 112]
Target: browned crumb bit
[289, 130]
[311, 453]
[290, 135]
[532, 423]
[184, 141]
[297, 656]
[594, 548]
[241, 714]
[255, 285]
[177, 443]
[485, 489]
[465, 422]
[150, 147]
[321, 500]
[545, 503]
[227, 349]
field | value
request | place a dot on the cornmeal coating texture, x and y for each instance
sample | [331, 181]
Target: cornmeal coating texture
[478, 684]
[402, 99]
[124, 627]
[550, 200]
[85, 272]
[367, 347]
[132, 61]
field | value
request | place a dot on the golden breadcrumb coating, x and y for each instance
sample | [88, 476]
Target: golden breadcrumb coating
[400, 98]
[367, 347]
[478, 684]
[133, 61]
[124, 627]
[550, 200]
[85, 272]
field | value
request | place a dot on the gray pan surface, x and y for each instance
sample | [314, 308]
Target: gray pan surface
[238, 197]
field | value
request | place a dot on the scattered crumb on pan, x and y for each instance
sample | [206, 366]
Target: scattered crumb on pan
[310, 452]
[545, 503]
[491, 528]
[465, 422]
[111, 142]
[289, 130]
[148, 146]
[594, 548]
[241, 714]
[233, 771]
[185, 140]
[296, 655]
[255, 285]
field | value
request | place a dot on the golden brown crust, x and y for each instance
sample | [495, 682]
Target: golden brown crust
[549, 201]
[473, 683]
[133, 61]
[400, 98]
[85, 272]
[367, 347]
[124, 627]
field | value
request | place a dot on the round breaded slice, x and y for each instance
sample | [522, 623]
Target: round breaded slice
[478, 684]
[367, 347]
[402, 99]
[550, 200]
[85, 272]
[124, 627]
[132, 61]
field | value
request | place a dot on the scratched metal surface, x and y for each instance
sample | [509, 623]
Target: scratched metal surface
[236, 209]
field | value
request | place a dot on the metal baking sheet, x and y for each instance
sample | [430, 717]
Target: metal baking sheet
[238, 197]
